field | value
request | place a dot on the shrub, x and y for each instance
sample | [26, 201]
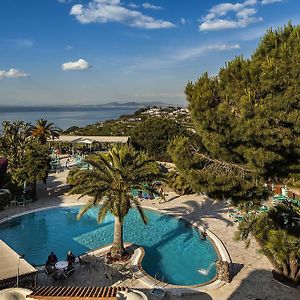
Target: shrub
[4, 200]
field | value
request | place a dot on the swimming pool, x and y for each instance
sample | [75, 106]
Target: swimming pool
[173, 250]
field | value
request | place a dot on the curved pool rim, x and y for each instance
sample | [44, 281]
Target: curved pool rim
[150, 281]
[218, 245]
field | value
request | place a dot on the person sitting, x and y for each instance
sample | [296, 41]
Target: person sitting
[70, 258]
[203, 237]
[52, 259]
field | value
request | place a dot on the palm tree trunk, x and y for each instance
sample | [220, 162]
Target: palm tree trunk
[293, 266]
[297, 277]
[285, 269]
[117, 250]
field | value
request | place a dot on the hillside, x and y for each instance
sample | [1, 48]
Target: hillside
[126, 123]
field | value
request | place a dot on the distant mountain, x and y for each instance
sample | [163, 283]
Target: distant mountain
[137, 104]
[76, 107]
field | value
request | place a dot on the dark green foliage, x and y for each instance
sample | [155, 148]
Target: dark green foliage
[154, 135]
[28, 160]
[248, 120]
[35, 165]
[71, 181]
[179, 183]
[15, 136]
[277, 232]
[216, 178]
[44, 130]
[71, 129]
[136, 126]
[106, 128]
[4, 200]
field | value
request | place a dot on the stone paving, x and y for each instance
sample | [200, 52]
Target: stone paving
[252, 271]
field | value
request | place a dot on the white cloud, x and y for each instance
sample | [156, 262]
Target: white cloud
[151, 6]
[218, 19]
[192, 53]
[12, 73]
[133, 5]
[270, 1]
[64, 1]
[183, 21]
[104, 11]
[178, 56]
[21, 43]
[24, 43]
[69, 47]
[246, 12]
[80, 64]
[145, 5]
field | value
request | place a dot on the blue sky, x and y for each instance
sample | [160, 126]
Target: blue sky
[97, 51]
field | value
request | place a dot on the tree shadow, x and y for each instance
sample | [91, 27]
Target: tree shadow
[259, 285]
[235, 269]
[53, 186]
[209, 208]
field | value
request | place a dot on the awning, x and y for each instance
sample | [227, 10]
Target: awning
[13, 266]
[75, 293]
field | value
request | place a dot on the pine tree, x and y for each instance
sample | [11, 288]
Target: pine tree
[248, 121]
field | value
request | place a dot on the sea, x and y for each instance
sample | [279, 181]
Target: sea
[65, 117]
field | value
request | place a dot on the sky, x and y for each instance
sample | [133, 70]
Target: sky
[60, 52]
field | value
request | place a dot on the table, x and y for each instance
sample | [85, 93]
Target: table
[61, 265]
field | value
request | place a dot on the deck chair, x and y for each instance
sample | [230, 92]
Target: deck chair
[20, 201]
[55, 276]
[69, 274]
[26, 198]
[108, 277]
[158, 291]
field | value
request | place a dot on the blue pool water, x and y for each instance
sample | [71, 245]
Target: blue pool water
[173, 249]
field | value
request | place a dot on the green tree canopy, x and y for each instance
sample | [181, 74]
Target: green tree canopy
[248, 120]
[154, 135]
[35, 165]
[13, 140]
[277, 232]
[27, 161]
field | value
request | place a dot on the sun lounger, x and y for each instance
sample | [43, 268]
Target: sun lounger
[26, 198]
[296, 202]
[263, 209]
[158, 292]
[20, 201]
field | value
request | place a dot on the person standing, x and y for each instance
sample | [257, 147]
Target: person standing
[67, 163]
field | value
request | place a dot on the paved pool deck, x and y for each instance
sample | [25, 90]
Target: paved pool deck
[252, 271]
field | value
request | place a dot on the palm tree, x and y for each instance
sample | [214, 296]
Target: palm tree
[44, 130]
[110, 181]
[277, 233]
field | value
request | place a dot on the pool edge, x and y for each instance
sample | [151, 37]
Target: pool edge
[218, 245]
